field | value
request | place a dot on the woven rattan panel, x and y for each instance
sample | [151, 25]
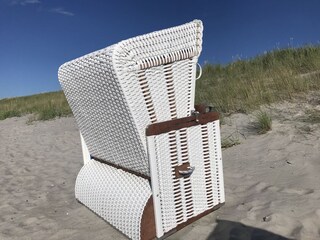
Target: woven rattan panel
[184, 198]
[181, 75]
[101, 111]
[160, 47]
[117, 196]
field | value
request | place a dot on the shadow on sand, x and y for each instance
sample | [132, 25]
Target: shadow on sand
[227, 230]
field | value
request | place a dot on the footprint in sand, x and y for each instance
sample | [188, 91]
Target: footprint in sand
[262, 187]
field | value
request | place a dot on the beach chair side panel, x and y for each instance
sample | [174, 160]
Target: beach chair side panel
[178, 199]
[101, 111]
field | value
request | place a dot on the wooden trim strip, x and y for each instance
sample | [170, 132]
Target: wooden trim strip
[120, 167]
[148, 225]
[176, 124]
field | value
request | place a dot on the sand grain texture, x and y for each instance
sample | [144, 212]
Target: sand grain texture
[38, 167]
[271, 180]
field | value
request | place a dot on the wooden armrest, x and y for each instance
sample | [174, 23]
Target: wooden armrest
[176, 124]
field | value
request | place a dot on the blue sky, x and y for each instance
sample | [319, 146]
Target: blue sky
[37, 36]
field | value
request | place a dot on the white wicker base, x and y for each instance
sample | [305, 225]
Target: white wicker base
[117, 196]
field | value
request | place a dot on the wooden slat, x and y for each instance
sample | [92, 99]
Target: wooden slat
[176, 124]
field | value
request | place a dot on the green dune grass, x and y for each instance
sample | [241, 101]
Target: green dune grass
[44, 106]
[242, 86]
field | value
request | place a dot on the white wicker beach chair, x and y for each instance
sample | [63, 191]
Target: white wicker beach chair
[152, 163]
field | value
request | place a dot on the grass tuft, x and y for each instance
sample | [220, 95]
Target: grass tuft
[9, 113]
[311, 116]
[229, 142]
[263, 122]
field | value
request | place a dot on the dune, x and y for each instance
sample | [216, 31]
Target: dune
[271, 181]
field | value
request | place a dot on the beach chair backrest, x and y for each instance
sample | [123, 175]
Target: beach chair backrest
[116, 92]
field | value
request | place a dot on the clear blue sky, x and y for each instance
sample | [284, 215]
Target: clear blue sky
[37, 36]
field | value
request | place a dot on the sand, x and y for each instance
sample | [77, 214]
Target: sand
[272, 181]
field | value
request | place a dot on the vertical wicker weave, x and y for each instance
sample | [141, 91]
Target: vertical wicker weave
[115, 94]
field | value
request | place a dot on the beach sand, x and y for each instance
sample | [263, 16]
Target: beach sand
[272, 181]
